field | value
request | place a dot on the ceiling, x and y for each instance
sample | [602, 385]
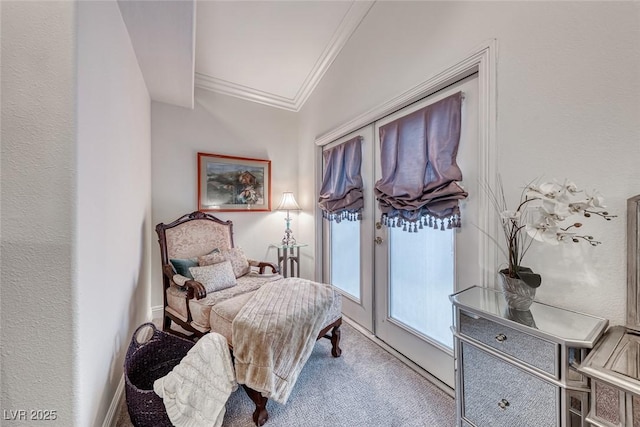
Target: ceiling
[271, 52]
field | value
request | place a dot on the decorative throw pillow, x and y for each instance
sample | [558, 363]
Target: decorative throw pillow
[238, 259]
[212, 258]
[181, 266]
[215, 277]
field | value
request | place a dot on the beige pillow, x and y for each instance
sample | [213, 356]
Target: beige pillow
[238, 259]
[215, 277]
[210, 259]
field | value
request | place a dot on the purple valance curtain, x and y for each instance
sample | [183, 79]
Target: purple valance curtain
[419, 172]
[341, 191]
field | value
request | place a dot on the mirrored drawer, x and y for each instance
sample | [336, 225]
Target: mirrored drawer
[498, 394]
[533, 351]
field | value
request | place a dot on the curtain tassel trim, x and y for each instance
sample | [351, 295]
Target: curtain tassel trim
[412, 226]
[342, 215]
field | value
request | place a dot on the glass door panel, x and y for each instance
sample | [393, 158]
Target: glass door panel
[421, 278]
[345, 257]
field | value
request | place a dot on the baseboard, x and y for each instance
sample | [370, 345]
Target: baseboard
[442, 386]
[112, 414]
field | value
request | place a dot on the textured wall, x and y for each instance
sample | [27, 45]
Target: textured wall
[38, 199]
[568, 92]
[76, 208]
[221, 125]
[113, 216]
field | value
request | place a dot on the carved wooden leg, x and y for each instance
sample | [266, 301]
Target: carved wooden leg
[335, 341]
[166, 324]
[260, 415]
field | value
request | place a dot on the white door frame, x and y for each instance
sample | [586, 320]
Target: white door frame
[483, 61]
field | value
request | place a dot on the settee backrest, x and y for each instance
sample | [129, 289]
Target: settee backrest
[193, 235]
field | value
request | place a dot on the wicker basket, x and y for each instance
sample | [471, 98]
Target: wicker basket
[146, 362]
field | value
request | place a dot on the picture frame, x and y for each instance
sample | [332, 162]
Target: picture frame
[233, 184]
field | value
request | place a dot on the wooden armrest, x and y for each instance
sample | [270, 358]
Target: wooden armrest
[195, 289]
[262, 265]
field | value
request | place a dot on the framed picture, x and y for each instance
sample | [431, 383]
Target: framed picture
[233, 184]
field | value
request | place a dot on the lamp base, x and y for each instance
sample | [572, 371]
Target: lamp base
[288, 239]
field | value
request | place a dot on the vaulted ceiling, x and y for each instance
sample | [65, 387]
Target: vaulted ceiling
[271, 52]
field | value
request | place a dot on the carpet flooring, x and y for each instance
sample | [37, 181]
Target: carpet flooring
[365, 387]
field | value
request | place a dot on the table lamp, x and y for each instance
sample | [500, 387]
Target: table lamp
[288, 203]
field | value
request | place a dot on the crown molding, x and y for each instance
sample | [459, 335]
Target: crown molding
[347, 27]
[204, 81]
[356, 13]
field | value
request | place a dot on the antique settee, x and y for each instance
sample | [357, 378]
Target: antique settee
[207, 281]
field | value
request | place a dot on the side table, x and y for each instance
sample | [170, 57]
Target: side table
[289, 258]
[519, 368]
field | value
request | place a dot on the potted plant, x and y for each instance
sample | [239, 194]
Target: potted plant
[544, 214]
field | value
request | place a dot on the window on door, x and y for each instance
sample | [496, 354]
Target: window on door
[345, 257]
[421, 277]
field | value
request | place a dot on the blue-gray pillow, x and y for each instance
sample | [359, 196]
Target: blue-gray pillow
[182, 266]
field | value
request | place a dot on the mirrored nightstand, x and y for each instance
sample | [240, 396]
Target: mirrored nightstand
[519, 368]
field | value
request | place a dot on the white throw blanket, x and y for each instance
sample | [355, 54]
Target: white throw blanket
[196, 390]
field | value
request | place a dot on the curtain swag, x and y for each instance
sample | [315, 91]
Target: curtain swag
[418, 152]
[341, 192]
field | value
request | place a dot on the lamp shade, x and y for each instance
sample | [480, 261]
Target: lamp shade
[288, 202]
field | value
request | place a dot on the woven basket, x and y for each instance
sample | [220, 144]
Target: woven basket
[146, 362]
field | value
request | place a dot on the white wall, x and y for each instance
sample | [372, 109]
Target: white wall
[113, 215]
[568, 107]
[38, 200]
[76, 207]
[220, 125]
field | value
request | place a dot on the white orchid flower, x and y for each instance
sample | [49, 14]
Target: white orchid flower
[543, 214]
[544, 234]
[596, 200]
[511, 215]
[577, 207]
[550, 190]
[571, 187]
[565, 236]
[556, 210]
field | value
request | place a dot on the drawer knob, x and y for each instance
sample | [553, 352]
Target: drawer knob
[503, 404]
[501, 337]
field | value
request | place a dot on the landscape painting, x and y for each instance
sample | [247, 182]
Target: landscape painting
[227, 183]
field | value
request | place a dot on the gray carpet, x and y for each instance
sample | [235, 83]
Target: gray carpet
[366, 386]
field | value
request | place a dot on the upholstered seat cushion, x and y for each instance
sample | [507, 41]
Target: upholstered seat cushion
[222, 314]
[200, 309]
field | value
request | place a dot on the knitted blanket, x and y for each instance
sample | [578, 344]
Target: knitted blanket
[274, 334]
[196, 390]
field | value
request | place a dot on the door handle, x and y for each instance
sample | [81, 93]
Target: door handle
[378, 240]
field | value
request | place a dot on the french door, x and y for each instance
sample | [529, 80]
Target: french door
[395, 283]
[348, 252]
